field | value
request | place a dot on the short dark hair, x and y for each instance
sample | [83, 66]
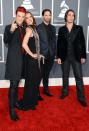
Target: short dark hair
[70, 10]
[43, 12]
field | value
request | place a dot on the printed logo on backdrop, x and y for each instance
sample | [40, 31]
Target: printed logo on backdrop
[1, 48]
[34, 6]
[87, 47]
[59, 8]
[1, 13]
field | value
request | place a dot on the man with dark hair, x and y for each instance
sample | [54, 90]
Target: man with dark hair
[71, 50]
[13, 36]
[47, 35]
[43, 12]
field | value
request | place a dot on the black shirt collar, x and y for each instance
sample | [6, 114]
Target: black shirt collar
[45, 24]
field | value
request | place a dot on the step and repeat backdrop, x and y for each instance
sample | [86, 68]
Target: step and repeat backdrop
[58, 8]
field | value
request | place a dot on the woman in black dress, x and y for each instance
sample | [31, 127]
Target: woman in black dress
[32, 65]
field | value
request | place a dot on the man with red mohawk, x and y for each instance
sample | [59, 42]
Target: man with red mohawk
[13, 36]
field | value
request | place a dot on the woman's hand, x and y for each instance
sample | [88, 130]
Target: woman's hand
[41, 56]
[35, 56]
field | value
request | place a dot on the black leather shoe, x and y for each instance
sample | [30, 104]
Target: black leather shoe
[83, 103]
[13, 115]
[40, 98]
[47, 93]
[63, 96]
[18, 106]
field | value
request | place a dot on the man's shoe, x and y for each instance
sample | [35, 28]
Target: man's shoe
[40, 98]
[47, 93]
[83, 103]
[63, 96]
[13, 115]
[18, 106]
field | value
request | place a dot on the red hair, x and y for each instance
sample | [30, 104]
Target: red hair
[21, 9]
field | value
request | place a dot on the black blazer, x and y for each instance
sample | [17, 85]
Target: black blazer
[14, 60]
[78, 42]
[44, 43]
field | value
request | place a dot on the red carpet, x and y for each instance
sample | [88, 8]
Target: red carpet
[52, 114]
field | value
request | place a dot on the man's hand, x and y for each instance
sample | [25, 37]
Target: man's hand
[59, 61]
[4, 62]
[13, 26]
[83, 60]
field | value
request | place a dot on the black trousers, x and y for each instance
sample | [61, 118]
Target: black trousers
[77, 70]
[46, 68]
[13, 93]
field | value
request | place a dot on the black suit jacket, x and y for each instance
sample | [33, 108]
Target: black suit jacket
[78, 43]
[14, 60]
[44, 43]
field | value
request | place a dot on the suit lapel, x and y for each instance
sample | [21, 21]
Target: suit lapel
[44, 30]
[74, 32]
[65, 31]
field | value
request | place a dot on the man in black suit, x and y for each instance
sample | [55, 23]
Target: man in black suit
[13, 37]
[47, 35]
[71, 50]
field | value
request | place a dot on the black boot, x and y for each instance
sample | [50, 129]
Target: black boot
[39, 97]
[13, 115]
[16, 98]
[16, 95]
[63, 96]
[13, 85]
[46, 92]
[83, 103]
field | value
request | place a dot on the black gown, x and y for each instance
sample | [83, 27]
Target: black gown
[32, 79]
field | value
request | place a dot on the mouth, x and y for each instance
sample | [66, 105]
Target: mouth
[30, 21]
